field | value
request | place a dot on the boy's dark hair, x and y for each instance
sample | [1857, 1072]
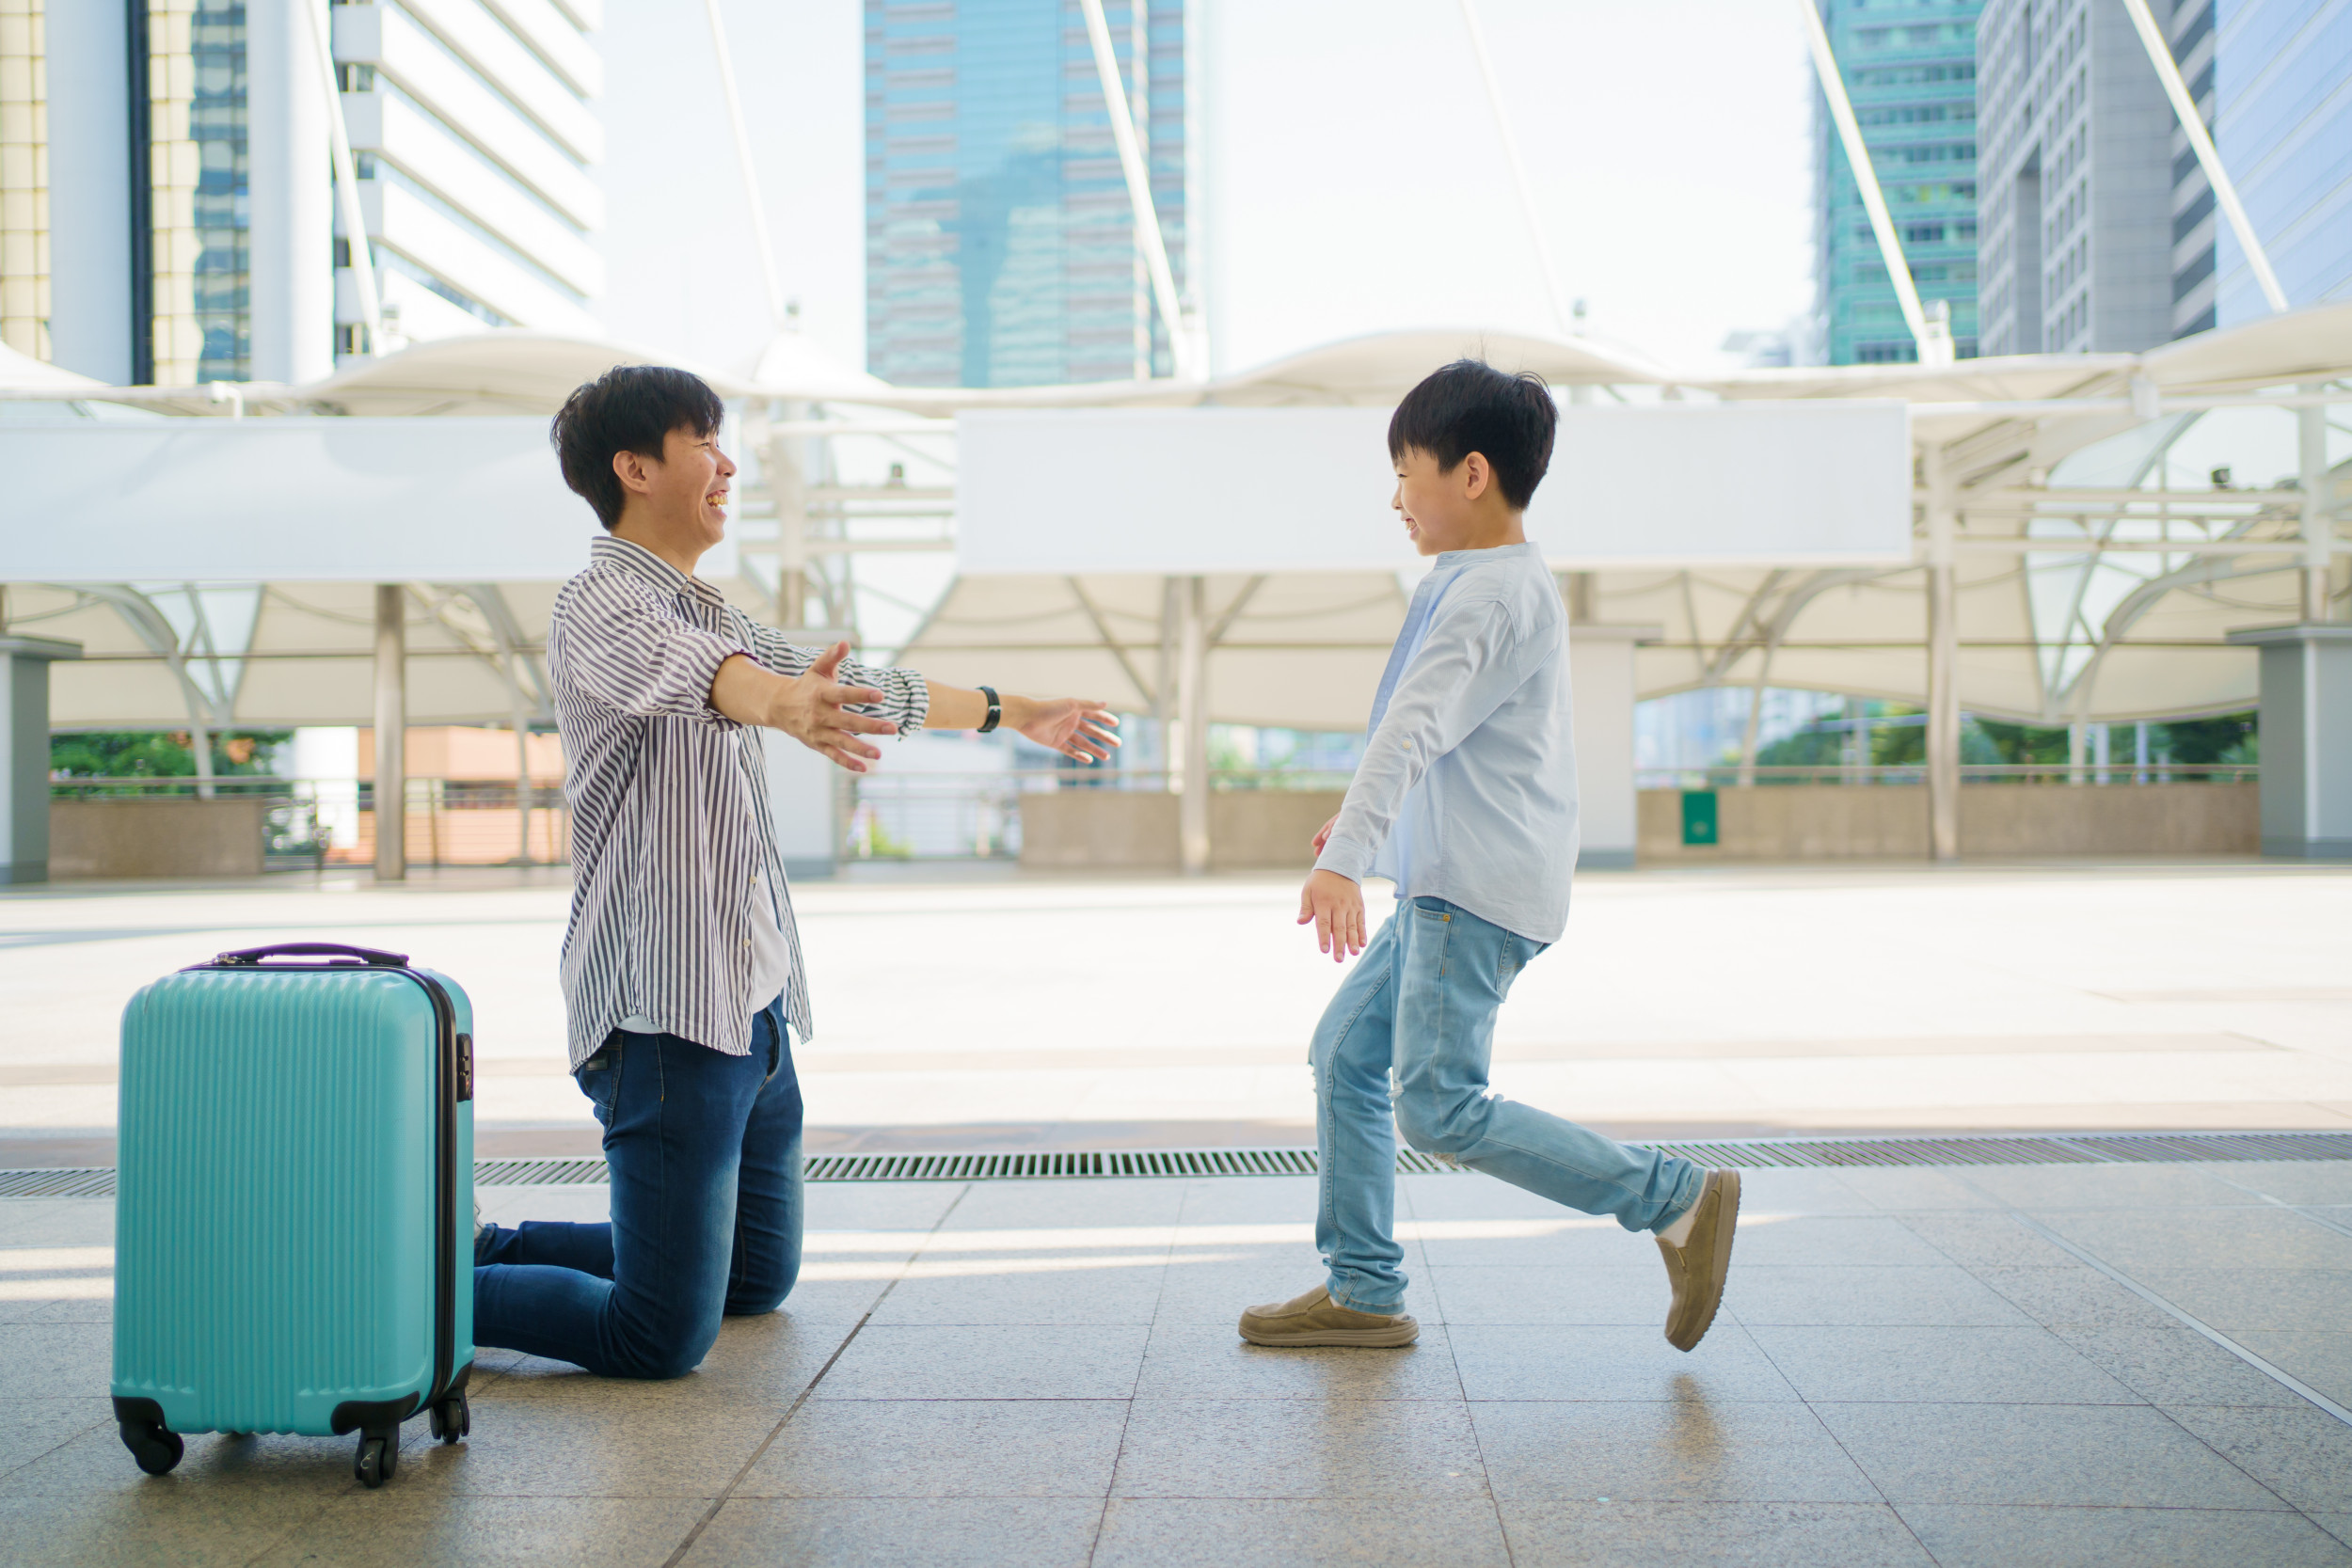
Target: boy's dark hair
[1470, 406]
[628, 409]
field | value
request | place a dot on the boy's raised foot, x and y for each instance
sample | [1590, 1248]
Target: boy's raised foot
[1315, 1319]
[1697, 1267]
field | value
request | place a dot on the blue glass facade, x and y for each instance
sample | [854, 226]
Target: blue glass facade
[2281, 113]
[1910, 67]
[216, 123]
[1000, 246]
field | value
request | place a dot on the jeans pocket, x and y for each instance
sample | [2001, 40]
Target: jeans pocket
[599, 1078]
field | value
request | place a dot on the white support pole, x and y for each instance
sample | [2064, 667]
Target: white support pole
[346, 179]
[1933, 349]
[1192, 721]
[1164, 686]
[392, 732]
[1518, 169]
[521, 722]
[1147, 217]
[2208, 156]
[1943, 735]
[743, 160]
[1139, 111]
[2318, 526]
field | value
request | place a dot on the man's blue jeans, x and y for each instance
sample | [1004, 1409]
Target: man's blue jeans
[704, 1154]
[1405, 1047]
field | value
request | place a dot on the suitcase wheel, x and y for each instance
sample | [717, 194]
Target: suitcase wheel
[377, 1457]
[156, 1449]
[451, 1420]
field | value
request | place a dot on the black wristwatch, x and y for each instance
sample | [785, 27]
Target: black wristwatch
[996, 709]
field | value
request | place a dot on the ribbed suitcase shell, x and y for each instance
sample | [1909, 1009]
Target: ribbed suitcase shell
[277, 1208]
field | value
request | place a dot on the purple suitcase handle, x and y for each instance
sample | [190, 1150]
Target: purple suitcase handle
[371, 956]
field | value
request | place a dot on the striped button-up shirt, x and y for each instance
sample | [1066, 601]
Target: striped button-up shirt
[674, 854]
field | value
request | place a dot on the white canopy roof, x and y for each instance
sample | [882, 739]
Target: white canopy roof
[2046, 635]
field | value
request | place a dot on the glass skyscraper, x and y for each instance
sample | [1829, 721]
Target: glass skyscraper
[221, 214]
[1000, 243]
[1910, 67]
[2273, 79]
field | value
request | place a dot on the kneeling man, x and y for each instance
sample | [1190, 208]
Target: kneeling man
[682, 975]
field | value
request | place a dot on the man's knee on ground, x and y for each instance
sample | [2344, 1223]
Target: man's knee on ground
[752, 1302]
[667, 1352]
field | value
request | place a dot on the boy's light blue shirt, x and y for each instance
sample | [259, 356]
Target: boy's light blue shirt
[1467, 787]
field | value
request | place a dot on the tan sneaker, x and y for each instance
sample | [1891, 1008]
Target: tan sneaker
[1697, 1270]
[1315, 1319]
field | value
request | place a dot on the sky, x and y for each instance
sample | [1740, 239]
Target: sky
[1354, 173]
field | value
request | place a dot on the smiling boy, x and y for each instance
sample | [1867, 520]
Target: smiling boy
[1466, 800]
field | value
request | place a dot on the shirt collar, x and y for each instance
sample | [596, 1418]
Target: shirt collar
[1498, 552]
[634, 557]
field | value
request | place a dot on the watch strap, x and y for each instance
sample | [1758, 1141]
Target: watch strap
[996, 709]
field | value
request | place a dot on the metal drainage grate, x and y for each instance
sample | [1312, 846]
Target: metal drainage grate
[2017, 1148]
[587, 1172]
[1094, 1162]
[85, 1182]
[2020, 1149]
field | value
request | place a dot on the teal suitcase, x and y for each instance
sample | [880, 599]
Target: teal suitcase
[293, 1236]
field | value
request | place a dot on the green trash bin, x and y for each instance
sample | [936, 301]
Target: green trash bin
[1699, 817]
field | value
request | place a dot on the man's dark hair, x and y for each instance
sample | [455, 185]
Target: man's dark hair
[628, 409]
[1470, 406]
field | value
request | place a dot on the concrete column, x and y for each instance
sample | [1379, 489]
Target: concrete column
[292, 235]
[788, 486]
[1192, 723]
[1943, 670]
[807, 792]
[392, 732]
[2310, 432]
[25, 753]
[1600, 682]
[1163, 681]
[90, 188]
[2306, 737]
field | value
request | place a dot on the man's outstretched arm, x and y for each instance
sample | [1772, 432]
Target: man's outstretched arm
[1070, 725]
[819, 708]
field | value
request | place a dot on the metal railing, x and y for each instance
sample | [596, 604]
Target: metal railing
[323, 823]
[1732, 775]
[909, 816]
[916, 816]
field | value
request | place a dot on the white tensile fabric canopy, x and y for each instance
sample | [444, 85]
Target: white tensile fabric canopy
[2041, 454]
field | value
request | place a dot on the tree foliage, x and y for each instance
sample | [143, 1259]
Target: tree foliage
[159, 754]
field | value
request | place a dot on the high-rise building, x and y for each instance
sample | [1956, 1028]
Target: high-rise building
[2076, 196]
[168, 207]
[1910, 67]
[2273, 81]
[1000, 244]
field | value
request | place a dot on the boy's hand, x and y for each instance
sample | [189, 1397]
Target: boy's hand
[1336, 906]
[1323, 834]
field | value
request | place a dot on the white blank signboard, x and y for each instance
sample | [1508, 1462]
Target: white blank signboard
[1185, 490]
[290, 500]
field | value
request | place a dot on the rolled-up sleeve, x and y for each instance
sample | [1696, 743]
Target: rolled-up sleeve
[906, 696]
[612, 640]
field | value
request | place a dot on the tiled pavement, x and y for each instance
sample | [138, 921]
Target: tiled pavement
[1046, 1373]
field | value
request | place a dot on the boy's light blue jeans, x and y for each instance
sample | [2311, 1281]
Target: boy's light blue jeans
[1404, 1047]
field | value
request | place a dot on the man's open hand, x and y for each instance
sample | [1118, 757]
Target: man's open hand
[1077, 729]
[1336, 906]
[813, 709]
